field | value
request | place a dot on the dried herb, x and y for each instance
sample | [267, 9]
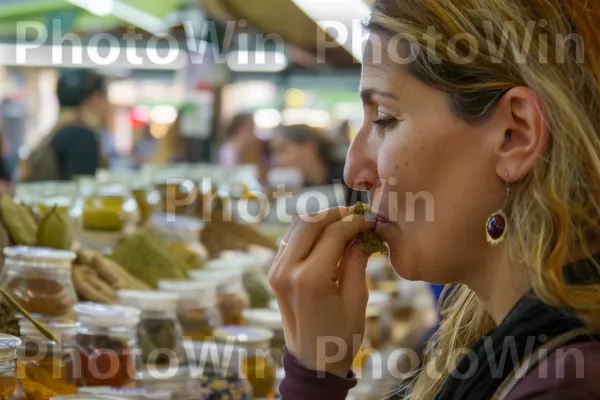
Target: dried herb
[9, 323]
[370, 242]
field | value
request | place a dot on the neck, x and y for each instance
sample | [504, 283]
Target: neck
[499, 286]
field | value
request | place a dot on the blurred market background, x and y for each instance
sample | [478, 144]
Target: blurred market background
[201, 110]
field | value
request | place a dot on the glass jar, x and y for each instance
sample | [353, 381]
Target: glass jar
[10, 387]
[147, 199]
[40, 280]
[378, 328]
[46, 362]
[232, 299]
[198, 312]
[159, 333]
[182, 235]
[177, 194]
[106, 344]
[105, 208]
[42, 197]
[179, 382]
[220, 373]
[255, 279]
[271, 320]
[257, 364]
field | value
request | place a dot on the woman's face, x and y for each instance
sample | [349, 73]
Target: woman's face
[429, 173]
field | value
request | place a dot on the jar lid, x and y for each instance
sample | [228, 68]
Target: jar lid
[56, 328]
[243, 336]
[242, 259]
[9, 345]
[192, 293]
[228, 280]
[263, 318]
[40, 254]
[178, 222]
[107, 315]
[149, 300]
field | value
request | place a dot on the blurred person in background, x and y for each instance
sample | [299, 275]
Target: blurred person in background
[242, 146]
[73, 148]
[309, 151]
[169, 148]
[144, 149]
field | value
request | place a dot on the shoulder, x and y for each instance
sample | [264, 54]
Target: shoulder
[572, 370]
[74, 133]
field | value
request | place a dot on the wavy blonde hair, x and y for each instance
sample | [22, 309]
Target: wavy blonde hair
[555, 211]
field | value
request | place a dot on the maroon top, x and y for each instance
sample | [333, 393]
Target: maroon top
[564, 375]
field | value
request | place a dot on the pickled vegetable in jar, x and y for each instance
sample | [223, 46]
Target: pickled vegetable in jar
[106, 344]
[40, 280]
[231, 296]
[198, 313]
[159, 333]
[256, 361]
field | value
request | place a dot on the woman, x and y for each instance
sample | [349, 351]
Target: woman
[307, 150]
[490, 114]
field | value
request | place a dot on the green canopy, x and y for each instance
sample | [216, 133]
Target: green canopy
[72, 17]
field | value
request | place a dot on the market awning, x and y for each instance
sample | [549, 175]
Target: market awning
[285, 18]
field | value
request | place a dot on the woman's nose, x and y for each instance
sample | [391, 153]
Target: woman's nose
[360, 172]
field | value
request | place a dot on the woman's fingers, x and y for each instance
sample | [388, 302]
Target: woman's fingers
[335, 238]
[353, 277]
[306, 233]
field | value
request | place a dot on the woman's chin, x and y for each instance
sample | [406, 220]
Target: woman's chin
[404, 266]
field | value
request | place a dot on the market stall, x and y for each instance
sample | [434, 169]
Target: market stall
[144, 285]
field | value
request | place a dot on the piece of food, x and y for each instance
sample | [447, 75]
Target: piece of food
[54, 231]
[18, 221]
[90, 287]
[114, 274]
[370, 241]
[144, 255]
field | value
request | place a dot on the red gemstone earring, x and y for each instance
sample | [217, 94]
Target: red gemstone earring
[496, 225]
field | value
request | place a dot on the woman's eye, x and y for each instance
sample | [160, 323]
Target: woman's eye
[383, 121]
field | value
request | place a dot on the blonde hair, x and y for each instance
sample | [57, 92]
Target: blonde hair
[555, 212]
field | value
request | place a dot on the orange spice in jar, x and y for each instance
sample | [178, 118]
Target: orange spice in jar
[40, 280]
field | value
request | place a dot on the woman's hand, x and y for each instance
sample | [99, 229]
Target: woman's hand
[319, 277]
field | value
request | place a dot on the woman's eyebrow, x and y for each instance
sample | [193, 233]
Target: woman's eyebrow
[367, 94]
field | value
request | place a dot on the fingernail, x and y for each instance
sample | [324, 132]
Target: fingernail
[371, 217]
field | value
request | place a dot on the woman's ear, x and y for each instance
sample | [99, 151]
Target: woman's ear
[526, 134]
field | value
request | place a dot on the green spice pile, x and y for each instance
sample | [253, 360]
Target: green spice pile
[370, 242]
[9, 323]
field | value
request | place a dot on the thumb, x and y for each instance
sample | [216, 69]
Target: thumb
[353, 277]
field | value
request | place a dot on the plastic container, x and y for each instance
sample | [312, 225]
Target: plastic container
[232, 299]
[160, 336]
[182, 236]
[10, 387]
[40, 280]
[198, 313]
[271, 320]
[106, 343]
[46, 362]
[257, 364]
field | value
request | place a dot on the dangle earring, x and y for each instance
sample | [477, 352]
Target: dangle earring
[496, 225]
